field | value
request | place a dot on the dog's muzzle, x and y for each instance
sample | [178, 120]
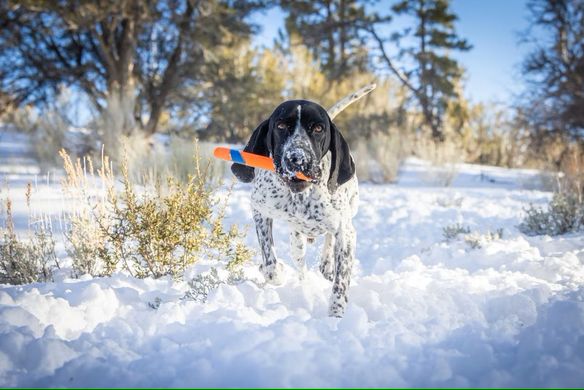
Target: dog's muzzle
[300, 160]
[296, 160]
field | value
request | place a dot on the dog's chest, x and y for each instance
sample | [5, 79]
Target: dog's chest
[313, 211]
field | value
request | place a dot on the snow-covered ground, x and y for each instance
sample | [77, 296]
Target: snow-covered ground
[423, 311]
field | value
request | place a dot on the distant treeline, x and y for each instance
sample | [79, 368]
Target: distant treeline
[189, 67]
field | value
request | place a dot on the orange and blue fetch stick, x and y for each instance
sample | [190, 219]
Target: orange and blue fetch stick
[250, 160]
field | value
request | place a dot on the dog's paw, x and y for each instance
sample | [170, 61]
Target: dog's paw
[272, 273]
[327, 271]
[302, 270]
[336, 309]
[337, 306]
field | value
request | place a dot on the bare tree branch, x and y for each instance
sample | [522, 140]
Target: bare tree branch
[400, 75]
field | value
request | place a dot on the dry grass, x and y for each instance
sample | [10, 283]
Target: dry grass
[443, 156]
[572, 167]
[149, 163]
[26, 260]
[378, 158]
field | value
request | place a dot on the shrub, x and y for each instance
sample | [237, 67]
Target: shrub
[571, 179]
[148, 231]
[87, 247]
[201, 285]
[50, 128]
[378, 158]
[450, 232]
[477, 240]
[564, 213]
[49, 138]
[16, 266]
[474, 240]
[450, 201]
[86, 189]
[26, 261]
[150, 161]
[444, 157]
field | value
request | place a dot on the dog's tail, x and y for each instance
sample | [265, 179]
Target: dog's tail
[350, 99]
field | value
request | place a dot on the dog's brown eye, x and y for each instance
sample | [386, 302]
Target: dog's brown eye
[282, 126]
[317, 128]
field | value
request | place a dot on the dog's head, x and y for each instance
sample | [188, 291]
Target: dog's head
[297, 136]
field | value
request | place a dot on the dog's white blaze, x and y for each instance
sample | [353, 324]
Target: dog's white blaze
[298, 144]
[299, 109]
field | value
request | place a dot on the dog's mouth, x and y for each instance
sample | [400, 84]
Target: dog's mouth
[293, 180]
[296, 184]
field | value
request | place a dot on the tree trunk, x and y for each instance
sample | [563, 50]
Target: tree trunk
[431, 119]
[331, 39]
[170, 74]
[342, 38]
[154, 119]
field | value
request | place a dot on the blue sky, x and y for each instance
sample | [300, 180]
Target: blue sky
[493, 65]
[491, 26]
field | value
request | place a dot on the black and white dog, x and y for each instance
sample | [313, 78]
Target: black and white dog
[300, 137]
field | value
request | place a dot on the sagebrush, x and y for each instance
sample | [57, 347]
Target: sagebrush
[474, 240]
[26, 260]
[379, 158]
[147, 231]
[564, 213]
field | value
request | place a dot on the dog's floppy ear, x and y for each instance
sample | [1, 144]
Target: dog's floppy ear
[258, 144]
[342, 165]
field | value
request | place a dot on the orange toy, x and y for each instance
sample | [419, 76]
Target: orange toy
[249, 159]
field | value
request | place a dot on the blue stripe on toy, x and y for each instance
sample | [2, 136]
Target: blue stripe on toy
[236, 156]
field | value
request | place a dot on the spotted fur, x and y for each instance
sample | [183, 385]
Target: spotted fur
[325, 207]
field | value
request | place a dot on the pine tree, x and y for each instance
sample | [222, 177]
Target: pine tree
[434, 74]
[555, 69]
[244, 87]
[333, 32]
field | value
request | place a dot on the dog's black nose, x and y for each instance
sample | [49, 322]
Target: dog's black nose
[296, 160]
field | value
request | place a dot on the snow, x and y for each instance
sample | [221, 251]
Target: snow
[423, 311]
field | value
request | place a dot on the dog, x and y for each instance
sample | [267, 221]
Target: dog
[301, 137]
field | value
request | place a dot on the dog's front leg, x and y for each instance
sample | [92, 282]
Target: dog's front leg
[298, 251]
[327, 257]
[345, 239]
[270, 267]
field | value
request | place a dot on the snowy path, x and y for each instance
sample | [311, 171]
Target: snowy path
[423, 311]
